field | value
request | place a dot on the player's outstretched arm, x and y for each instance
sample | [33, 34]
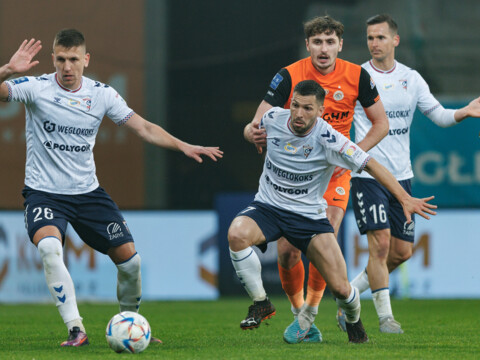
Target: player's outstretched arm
[410, 204]
[156, 135]
[21, 61]
[252, 133]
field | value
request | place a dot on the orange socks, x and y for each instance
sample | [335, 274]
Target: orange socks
[316, 287]
[292, 283]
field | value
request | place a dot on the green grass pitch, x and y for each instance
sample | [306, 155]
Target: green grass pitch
[434, 329]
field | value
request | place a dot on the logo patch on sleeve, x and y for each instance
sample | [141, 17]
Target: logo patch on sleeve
[19, 80]
[277, 79]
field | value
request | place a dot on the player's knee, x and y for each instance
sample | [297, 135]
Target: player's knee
[340, 290]
[130, 268]
[400, 257]
[238, 238]
[288, 258]
[50, 249]
[380, 246]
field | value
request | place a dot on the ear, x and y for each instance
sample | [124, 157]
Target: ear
[306, 45]
[340, 45]
[321, 109]
[87, 59]
[53, 59]
[396, 40]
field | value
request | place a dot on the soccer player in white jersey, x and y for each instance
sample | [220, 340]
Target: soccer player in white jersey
[377, 212]
[302, 152]
[63, 113]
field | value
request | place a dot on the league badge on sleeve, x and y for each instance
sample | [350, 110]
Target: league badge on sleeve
[19, 80]
[277, 79]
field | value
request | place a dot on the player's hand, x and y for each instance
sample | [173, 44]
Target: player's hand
[473, 108]
[196, 152]
[339, 171]
[421, 207]
[256, 136]
[21, 61]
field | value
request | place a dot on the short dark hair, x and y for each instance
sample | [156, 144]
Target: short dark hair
[381, 18]
[69, 38]
[310, 87]
[323, 24]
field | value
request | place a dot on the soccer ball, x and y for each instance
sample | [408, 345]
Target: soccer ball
[128, 332]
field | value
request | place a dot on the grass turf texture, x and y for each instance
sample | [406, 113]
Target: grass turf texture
[434, 329]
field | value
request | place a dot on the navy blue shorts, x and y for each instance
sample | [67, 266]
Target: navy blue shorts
[94, 216]
[275, 223]
[376, 208]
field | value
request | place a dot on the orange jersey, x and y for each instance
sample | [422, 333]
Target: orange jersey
[346, 84]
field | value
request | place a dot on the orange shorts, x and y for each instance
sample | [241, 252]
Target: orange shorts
[338, 191]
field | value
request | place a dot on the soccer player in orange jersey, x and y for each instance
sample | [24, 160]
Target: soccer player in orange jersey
[345, 83]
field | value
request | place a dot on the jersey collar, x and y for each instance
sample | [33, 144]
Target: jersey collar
[383, 71]
[64, 88]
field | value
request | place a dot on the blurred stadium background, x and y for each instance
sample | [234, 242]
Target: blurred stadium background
[200, 69]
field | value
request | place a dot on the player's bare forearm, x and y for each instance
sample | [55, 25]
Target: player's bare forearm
[376, 114]
[410, 204]
[156, 135]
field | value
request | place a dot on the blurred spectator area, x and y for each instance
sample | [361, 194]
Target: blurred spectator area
[200, 69]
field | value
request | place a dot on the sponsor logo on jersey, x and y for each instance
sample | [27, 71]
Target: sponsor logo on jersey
[338, 95]
[290, 148]
[404, 83]
[67, 130]
[388, 86]
[56, 100]
[276, 141]
[285, 189]
[50, 145]
[307, 150]
[114, 231]
[340, 190]
[19, 80]
[277, 79]
[286, 174]
[49, 126]
[40, 78]
[409, 228]
[336, 116]
[393, 132]
[394, 114]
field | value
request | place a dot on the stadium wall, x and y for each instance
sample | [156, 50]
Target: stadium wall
[185, 256]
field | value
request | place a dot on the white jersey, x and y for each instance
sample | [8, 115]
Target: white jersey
[297, 169]
[401, 90]
[61, 126]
